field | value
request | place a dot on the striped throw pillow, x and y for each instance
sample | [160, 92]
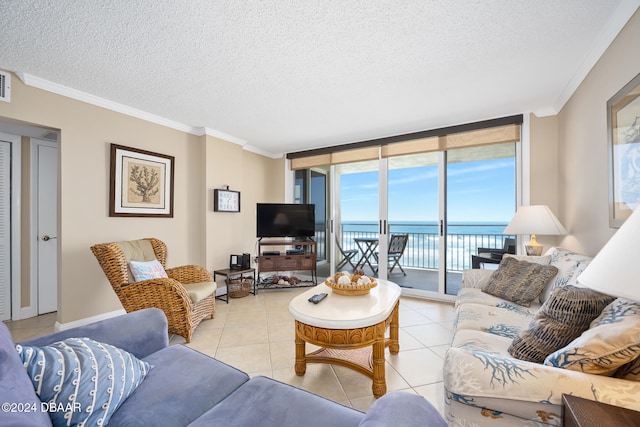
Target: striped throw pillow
[82, 380]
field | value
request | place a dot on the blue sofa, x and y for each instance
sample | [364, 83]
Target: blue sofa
[186, 387]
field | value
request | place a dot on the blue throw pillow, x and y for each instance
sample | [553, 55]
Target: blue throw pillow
[82, 380]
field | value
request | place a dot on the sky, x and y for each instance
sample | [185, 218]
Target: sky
[479, 191]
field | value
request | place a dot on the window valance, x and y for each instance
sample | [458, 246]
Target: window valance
[496, 131]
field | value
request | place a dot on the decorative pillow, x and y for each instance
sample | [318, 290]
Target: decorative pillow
[84, 380]
[580, 267]
[612, 341]
[145, 270]
[542, 260]
[561, 319]
[519, 281]
[629, 371]
[566, 262]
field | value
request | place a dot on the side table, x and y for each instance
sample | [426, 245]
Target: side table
[579, 412]
[229, 273]
[478, 261]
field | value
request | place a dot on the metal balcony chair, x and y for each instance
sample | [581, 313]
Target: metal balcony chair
[493, 255]
[397, 245]
[347, 256]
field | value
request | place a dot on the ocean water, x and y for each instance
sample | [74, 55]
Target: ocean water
[422, 249]
[425, 227]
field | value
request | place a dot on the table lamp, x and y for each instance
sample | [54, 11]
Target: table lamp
[614, 270]
[535, 219]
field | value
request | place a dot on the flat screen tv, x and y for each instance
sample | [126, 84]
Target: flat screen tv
[285, 220]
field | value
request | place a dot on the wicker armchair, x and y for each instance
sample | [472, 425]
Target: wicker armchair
[186, 297]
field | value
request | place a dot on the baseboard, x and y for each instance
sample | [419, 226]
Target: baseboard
[428, 295]
[81, 322]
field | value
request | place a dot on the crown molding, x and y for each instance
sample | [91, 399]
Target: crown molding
[262, 152]
[618, 20]
[546, 112]
[49, 86]
[225, 136]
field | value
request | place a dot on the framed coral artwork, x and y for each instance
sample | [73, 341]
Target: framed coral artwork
[141, 183]
[623, 124]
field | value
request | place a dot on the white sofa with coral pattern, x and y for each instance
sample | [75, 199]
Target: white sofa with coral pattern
[486, 386]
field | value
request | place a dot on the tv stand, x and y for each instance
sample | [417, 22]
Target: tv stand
[303, 259]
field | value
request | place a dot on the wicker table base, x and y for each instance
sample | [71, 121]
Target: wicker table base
[360, 349]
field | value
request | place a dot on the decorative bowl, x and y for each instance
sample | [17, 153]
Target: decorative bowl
[351, 289]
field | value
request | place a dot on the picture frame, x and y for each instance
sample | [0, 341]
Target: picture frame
[623, 129]
[141, 183]
[226, 201]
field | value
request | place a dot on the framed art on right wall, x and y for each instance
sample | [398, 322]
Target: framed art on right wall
[623, 128]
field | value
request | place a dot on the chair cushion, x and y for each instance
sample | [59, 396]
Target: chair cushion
[136, 250]
[612, 341]
[561, 319]
[86, 380]
[519, 281]
[183, 384]
[145, 270]
[199, 291]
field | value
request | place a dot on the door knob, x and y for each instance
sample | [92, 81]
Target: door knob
[47, 238]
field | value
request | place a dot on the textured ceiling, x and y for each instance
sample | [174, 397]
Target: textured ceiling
[288, 75]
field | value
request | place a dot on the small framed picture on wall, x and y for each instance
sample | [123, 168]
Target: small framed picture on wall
[226, 201]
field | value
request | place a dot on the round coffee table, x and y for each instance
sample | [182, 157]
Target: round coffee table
[350, 330]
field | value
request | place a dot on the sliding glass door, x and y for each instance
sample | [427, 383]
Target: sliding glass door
[357, 233]
[413, 221]
[417, 211]
[480, 201]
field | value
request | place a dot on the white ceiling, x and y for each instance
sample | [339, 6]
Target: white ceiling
[288, 75]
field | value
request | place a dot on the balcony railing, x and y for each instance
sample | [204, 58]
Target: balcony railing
[422, 249]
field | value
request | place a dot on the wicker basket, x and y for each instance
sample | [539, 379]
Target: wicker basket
[240, 287]
[350, 290]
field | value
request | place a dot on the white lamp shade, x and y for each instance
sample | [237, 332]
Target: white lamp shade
[536, 219]
[616, 268]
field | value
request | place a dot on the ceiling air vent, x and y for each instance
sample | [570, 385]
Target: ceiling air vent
[5, 87]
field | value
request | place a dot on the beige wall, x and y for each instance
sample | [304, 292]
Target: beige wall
[582, 134]
[259, 179]
[191, 235]
[543, 155]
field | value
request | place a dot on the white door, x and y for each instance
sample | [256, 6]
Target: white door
[5, 230]
[47, 223]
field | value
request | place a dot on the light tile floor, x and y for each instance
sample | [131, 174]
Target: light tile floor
[256, 334]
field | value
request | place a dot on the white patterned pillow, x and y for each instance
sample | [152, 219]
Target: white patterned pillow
[566, 262]
[582, 266]
[84, 380]
[145, 270]
[612, 340]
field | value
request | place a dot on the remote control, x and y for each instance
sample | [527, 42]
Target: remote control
[317, 298]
